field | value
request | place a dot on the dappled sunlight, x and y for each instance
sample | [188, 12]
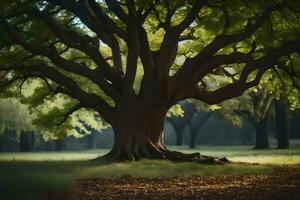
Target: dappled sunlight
[59, 171]
[269, 159]
[53, 156]
[234, 153]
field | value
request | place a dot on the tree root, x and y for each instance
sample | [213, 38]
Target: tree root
[161, 153]
[194, 157]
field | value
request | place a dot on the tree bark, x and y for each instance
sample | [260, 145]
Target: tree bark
[138, 134]
[262, 138]
[282, 123]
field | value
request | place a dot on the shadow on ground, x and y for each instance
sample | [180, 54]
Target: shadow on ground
[283, 184]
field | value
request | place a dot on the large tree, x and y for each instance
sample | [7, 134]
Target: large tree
[90, 52]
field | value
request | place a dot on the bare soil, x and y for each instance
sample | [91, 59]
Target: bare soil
[283, 184]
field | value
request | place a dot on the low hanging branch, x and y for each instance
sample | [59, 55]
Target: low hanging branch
[69, 112]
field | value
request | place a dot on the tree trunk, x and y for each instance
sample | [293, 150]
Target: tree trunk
[60, 144]
[179, 135]
[91, 142]
[282, 123]
[196, 123]
[25, 141]
[48, 145]
[138, 134]
[179, 128]
[262, 138]
[295, 126]
[179, 123]
[194, 133]
[32, 139]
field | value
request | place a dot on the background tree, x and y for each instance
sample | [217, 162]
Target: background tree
[91, 143]
[286, 100]
[195, 124]
[239, 41]
[257, 107]
[225, 111]
[179, 122]
[14, 117]
[283, 116]
[295, 126]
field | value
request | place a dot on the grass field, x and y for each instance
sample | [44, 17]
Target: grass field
[30, 175]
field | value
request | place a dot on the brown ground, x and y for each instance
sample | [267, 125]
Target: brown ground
[284, 183]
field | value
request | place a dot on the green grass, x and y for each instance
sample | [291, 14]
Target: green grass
[53, 156]
[30, 175]
[31, 179]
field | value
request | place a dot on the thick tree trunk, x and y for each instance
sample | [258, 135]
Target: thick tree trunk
[282, 123]
[60, 145]
[25, 142]
[138, 134]
[262, 138]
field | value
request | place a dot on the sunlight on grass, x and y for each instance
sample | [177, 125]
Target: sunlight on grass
[32, 178]
[234, 153]
[269, 159]
[247, 154]
[53, 156]
[33, 174]
[151, 169]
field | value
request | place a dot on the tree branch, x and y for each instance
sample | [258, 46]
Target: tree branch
[70, 112]
[235, 89]
[216, 61]
[169, 46]
[73, 90]
[115, 7]
[98, 22]
[190, 17]
[131, 65]
[191, 65]
[78, 69]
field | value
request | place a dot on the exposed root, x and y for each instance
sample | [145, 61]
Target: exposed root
[194, 157]
[160, 153]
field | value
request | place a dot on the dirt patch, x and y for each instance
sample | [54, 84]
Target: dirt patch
[284, 183]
